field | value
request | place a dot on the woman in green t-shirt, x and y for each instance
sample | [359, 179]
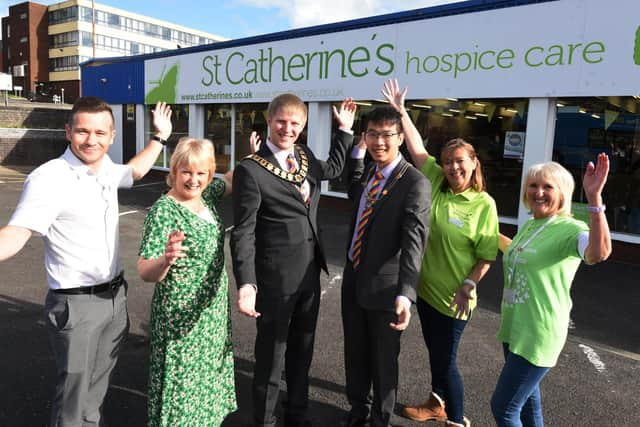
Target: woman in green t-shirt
[539, 266]
[462, 242]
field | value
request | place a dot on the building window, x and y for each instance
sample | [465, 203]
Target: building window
[65, 39]
[86, 14]
[131, 25]
[218, 130]
[23, 16]
[490, 125]
[66, 63]
[180, 121]
[64, 15]
[249, 118]
[114, 20]
[588, 126]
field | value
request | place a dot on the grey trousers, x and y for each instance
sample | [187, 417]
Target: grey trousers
[86, 334]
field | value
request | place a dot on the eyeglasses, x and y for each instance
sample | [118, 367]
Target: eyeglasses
[373, 135]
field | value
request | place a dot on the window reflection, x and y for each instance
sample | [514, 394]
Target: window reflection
[249, 118]
[218, 130]
[588, 126]
[495, 127]
[180, 121]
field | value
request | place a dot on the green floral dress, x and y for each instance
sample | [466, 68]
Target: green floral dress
[191, 379]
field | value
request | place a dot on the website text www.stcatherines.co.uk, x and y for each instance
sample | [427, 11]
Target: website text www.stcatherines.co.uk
[304, 93]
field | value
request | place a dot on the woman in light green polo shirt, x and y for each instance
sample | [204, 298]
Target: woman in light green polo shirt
[463, 240]
[539, 266]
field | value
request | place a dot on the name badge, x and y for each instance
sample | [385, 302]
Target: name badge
[455, 221]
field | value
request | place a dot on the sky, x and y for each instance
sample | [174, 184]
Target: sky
[244, 18]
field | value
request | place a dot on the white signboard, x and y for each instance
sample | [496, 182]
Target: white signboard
[559, 48]
[6, 82]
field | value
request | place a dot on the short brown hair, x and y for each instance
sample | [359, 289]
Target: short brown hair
[90, 104]
[192, 152]
[477, 179]
[286, 101]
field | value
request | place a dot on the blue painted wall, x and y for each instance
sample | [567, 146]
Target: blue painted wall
[118, 82]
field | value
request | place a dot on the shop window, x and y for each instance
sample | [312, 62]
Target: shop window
[180, 121]
[218, 130]
[495, 127]
[588, 126]
[249, 118]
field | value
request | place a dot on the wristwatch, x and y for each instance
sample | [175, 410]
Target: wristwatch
[160, 140]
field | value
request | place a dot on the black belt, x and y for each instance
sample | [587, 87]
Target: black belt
[111, 285]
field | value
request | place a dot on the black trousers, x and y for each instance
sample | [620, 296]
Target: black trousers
[285, 336]
[371, 350]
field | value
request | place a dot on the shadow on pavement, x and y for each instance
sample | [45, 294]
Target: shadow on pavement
[27, 372]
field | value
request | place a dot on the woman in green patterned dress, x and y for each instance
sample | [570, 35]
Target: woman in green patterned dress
[191, 378]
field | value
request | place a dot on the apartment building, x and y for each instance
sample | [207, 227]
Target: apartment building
[43, 46]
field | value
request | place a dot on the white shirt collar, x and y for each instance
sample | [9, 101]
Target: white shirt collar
[80, 168]
[386, 171]
[279, 153]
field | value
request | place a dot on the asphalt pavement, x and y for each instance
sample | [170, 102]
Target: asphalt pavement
[596, 381]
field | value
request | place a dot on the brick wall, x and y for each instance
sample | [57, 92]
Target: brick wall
[30, 147]
[31, 135]
[33, 118]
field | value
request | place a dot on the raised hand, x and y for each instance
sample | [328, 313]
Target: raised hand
[346, 115]
[391, 92]
[254, 142]
[162, 120]
[595, 178]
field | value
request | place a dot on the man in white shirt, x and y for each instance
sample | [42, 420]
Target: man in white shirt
[72, 201]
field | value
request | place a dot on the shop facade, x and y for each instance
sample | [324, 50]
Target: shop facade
[523, 81]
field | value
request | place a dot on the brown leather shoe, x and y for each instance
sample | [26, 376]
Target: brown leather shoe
[432, 409]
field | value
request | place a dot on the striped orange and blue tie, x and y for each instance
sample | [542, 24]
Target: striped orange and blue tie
[372, 195]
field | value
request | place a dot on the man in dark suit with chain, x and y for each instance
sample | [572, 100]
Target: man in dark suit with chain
[389, 227]
[277, 254]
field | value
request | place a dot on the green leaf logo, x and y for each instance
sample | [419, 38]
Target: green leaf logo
[636, 48]
[166, 87]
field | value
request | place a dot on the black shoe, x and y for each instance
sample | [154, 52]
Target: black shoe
[353, 421]
[291, 423]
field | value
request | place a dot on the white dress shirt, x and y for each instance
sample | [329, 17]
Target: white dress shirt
[76, 212]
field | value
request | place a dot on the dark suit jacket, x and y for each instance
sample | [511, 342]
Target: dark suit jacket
[275, 239]
[394, 241]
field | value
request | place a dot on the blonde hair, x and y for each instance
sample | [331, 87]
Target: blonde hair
[192, 152]
[556, 173]
[287, 102]
[477, 179]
